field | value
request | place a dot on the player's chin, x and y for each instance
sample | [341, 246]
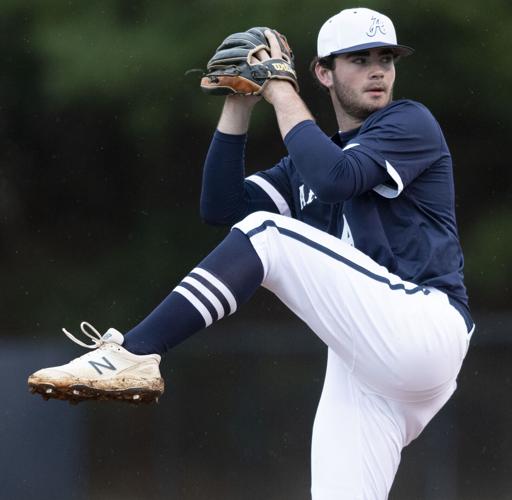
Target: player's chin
[377, 100]
[374, 105]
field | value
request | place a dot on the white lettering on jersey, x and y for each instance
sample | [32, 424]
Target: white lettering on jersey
[346, 235]
[302, 196]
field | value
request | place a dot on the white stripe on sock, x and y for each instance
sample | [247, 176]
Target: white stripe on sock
[221, 287]
[215, 302]
[201, 309]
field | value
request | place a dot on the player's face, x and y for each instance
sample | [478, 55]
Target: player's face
[362, 82]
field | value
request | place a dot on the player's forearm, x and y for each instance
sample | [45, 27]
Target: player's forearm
[236, 114]
[222, 194]
[334, 175]
[290, 109]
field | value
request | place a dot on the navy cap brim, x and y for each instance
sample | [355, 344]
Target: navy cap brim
[399, 50]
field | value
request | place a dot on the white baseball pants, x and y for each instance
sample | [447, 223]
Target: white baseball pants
[395, 350]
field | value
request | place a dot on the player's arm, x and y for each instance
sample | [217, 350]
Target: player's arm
[237, 68]
[333, 175]
[394, 146]
[227, 196]
[236, 114]
[337, 175]
[290, 109]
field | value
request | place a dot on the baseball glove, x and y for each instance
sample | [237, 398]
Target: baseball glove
[232, 71]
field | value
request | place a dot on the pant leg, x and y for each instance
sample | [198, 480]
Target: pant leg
[400, 340]
[395, 350]
[356, 443]
[358, 436]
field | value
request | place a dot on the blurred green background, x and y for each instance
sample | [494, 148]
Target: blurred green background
[104, 137]
[104, 133]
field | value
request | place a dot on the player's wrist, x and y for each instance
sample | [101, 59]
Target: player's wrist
[236, 114]
[241, 102]
[279, 92]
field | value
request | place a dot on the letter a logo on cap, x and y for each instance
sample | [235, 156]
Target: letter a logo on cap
[377, 25]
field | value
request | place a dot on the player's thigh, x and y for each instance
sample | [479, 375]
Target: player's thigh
[400, 339]
[356, 441]
[307, 269]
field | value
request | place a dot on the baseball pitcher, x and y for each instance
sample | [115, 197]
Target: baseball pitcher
[355, 233]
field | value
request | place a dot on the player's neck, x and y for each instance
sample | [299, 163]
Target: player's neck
[345, 121]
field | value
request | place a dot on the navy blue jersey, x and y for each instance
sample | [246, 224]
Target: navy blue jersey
[386, 187]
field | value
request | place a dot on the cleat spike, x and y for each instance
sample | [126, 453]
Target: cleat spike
[49, 390]
[136, 396]
[76, 392]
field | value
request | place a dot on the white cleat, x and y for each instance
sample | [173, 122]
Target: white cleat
[108, 372]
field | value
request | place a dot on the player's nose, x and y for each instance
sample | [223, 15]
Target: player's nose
[376, 72]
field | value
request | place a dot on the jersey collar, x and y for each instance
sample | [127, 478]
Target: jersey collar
[342, 138]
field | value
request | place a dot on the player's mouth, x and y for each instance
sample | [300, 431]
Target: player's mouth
[376, 91]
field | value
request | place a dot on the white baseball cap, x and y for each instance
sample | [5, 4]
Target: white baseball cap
[352, 30]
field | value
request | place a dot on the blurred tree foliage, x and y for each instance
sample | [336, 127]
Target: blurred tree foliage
[104, 134]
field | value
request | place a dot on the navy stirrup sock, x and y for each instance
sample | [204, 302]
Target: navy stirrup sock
[225, 279]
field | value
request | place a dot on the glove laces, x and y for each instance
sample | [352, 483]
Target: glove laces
[93, 334]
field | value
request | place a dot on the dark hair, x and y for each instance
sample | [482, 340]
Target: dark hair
[327, 62]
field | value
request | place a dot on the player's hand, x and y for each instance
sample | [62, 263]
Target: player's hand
[258, 57]
[234, 70]
[274, 88]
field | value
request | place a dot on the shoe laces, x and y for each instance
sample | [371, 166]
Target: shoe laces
[93, 334]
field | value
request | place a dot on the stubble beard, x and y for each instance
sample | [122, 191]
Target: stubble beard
[353, 105]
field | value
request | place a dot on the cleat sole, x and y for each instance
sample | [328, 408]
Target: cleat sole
[78, 392]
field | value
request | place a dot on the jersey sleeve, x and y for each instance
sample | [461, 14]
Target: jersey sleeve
[393, 146]
[334, 174]
[275, 183]
[404, 139]
[226, 196]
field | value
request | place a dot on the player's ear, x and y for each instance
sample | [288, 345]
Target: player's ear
[324, 75]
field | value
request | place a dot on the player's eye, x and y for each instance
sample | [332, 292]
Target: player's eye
[387, 59]
[359, 60]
